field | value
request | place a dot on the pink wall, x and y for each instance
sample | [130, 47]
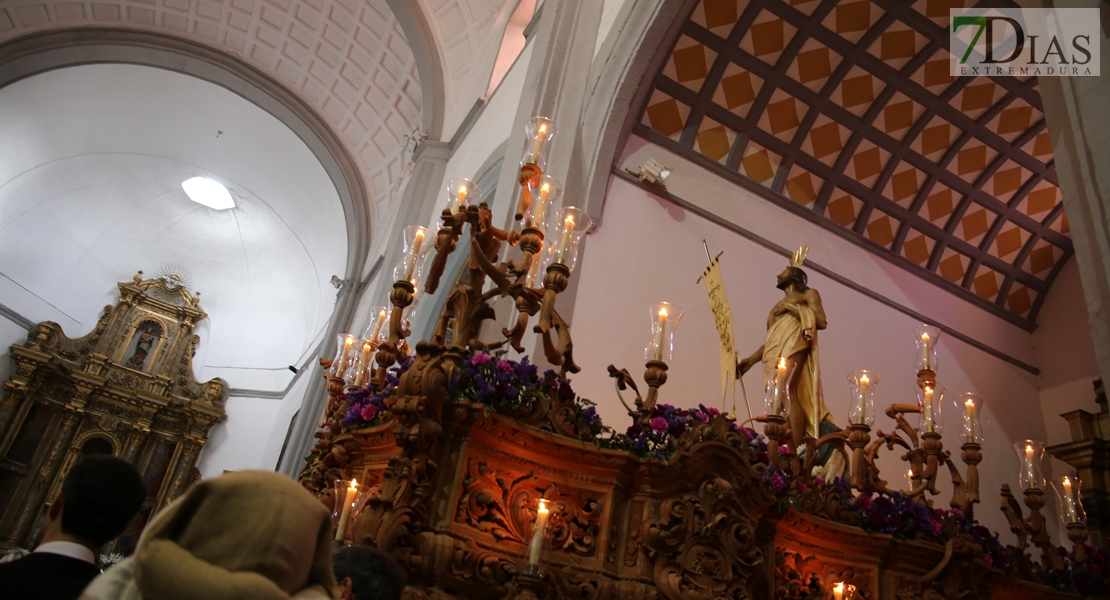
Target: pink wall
[648, 249]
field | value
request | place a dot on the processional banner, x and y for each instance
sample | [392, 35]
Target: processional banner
[722, 315]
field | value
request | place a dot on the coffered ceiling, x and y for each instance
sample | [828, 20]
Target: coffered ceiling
[845, 112]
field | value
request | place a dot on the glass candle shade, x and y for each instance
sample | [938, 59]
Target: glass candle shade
[777, 376]
[969, 406]
[570, 225]
[416, 248]
[1068, 500]
[344, 352]
[357, 374]
[346, 492]
[664, 319]
[461, 192]
[545, 191]
[926, 337]
[1030, 453]
[931, 401]
[378, 329]
[538, 133]
[862, 384]
[534, 277]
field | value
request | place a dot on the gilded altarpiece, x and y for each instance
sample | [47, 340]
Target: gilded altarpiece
[125, 389]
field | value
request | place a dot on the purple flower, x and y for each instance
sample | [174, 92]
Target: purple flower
[505, 366]
[987, 559]
[368, 413]
[659, 424]
[778, 482]
[704, 418]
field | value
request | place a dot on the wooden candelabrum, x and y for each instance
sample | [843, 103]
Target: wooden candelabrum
[655, 375]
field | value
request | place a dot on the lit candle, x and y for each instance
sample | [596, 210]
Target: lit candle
[1030, 472]
[927, 411]
[969, 422]
[537, 145]
[364, 359]
[350, 339]
[461, 199]
[909, 478]
[838, 591]
[864, 384]
[410, 262]
[660, 334]
[925, 353]
[1070, 515]
[538, 207]
[564, 241]
[537, 536]
[341, 530]
[378, 326]
[780, 386]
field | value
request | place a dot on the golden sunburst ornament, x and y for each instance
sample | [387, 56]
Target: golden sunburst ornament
[172, 280]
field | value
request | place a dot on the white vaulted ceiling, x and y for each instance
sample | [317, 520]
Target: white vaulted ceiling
[347, 59]
[90, 192]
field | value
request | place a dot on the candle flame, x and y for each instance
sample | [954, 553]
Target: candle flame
[543, 129]
[419, 235]
[381, 314]
[782, 362]
[1067, 482]
[366, 347]
[663, 312]
[569, 222]
[354, 485]
[925, 338]
[839, 587]
[864, 380]
[350, 339]
[545, 187]
[969, 403]
[543, 506]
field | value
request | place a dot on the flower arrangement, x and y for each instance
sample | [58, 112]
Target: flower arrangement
[657, 440]
[367, 408]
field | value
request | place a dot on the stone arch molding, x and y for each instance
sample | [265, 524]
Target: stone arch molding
[31, 55]
[346, 60]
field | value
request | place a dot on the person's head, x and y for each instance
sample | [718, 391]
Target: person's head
[366, 573]
[99, 497]
[795, 276]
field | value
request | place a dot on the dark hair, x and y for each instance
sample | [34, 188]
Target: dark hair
[102, 494]
[797, 277]
[374, 575]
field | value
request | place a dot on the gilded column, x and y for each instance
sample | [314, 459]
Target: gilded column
[47, 471]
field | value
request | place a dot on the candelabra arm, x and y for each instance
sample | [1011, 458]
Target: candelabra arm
[838, 438]
[1035, 525]
[483, 251]
[857, 436]
[1077, 533]
[655, 376]
[623, 380]
[554, 282]
[1011, 509]
[560, 353]
[774, 428]
[527, 304]
[446, 240]
[969, 488]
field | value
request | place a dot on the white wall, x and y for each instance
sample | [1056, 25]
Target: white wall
[648, 249]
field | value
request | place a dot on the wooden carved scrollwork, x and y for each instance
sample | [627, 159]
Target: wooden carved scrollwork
[702, 541]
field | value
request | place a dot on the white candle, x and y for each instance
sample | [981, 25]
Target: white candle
[564, 241]
[350, 339]
[460, 201]
[864, 384]
[930, 420]
[1030, 472]
[909, 478]
[926, 355]
[537, 207]
[1070, 515]
[378, 326]
[360, 375]
[838, 591]
[660, 334]
[780, 386]
[410, 262]
[537, 536]
[341, 530]
[537, 145]
[969, 422]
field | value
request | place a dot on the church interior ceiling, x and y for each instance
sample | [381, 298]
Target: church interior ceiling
[845, 112]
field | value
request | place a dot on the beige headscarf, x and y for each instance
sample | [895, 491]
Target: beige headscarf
[246, 535]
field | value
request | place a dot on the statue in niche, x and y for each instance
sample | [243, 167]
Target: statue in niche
[792, 328]
[143, 342]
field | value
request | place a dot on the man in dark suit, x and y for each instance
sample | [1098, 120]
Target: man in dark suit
[99, 497]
